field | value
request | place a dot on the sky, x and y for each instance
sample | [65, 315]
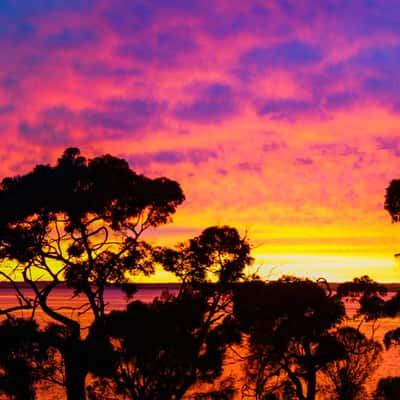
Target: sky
[281, 118]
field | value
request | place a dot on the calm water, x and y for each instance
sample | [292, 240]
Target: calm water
[66, 303]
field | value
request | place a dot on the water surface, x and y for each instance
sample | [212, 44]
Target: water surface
[64, 301]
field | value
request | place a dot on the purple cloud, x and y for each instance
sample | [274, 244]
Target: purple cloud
[273, 146]
[20, 32]
[249, 167]
[172, 157]
[127, 19]
[45, 133]
[288, 109]
[340, 100]
[375, 73]
[7, 109]
[214, 103]
[121, 117]
[114, 118]
[335, 149]
[103, 70]
[288, 54]
[389, 143]
[304, 161]
[71, 38]
[164, 49]
[15, 10]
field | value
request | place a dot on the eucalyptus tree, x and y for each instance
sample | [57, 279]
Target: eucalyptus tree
[391, 307]
[179, 340]
[80, 222]
[289, 326]
[348, 376]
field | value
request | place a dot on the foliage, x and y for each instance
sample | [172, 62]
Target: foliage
[182, 338]
[392, 200]
[80, 221]
[25, 358]
[171, 350]
[348, 375]
[369, 294]
[388, 388]
[288, 324]
[219, 255]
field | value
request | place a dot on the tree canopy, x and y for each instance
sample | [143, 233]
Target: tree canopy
[289, 328]
[182, 337]
[79, 221]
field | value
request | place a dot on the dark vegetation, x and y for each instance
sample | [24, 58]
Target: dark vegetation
[81, 223]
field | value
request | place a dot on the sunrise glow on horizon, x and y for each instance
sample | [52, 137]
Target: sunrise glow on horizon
[279, 118]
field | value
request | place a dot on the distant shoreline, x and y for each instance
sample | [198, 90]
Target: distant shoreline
[391, 286]
[62, 285]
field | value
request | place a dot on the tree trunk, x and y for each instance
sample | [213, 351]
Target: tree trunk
[76, 370]
[311, 385]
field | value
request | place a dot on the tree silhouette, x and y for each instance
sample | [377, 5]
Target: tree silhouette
[392, 200]
[165, 356]
[369, 294]
[166, 347]
[392, 206]
[388, 388]
[80, 221]
[348, 375]
[288, 324]
[218, 255]
[23, 358]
